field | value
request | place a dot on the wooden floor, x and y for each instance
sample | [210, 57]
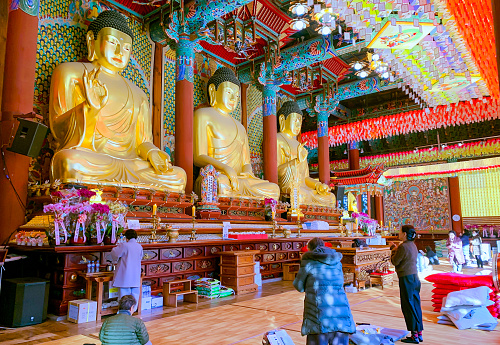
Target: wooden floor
[244, 319]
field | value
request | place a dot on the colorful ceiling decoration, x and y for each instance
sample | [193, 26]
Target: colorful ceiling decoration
[413, 121]
[459, 151]
[475, 22]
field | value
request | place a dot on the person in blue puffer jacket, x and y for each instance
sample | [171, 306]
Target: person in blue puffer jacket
[327, 315]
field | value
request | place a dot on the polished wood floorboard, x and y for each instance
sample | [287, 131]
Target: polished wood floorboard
[243, 320]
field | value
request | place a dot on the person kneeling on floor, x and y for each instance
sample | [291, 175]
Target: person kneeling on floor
[123, 328]
[327, 316]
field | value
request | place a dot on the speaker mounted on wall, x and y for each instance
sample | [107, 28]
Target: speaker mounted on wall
[29, 138]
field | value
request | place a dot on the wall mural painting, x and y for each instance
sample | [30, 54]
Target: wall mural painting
[422, 203]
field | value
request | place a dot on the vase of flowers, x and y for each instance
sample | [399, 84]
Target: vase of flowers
[117, 213]
[270, 208]
[367, 225]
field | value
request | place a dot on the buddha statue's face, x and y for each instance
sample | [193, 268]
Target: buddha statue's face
[292, 124]
[111, 49]
[226, 97]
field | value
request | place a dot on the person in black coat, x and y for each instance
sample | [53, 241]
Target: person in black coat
[405, 261]
[327, 315]
[433, 259]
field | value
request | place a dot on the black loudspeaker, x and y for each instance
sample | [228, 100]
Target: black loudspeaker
[29, 138]
[23, 301]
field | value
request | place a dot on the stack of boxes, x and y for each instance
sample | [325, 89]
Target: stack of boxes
[146, 296]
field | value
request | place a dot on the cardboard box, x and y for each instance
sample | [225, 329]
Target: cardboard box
[82, 310]
[156, 302]
[113, 292]
[146, 290]
[146, 303]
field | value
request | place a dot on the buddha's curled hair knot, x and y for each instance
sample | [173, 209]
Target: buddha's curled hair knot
[221, 75]
[110, 19]
[288, 108]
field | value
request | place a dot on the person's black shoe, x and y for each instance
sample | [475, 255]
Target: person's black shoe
[410, 340]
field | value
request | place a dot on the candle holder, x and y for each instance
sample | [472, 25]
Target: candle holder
[432, 232]
[273, 235]
[156, 226]
[299, 225]
[193, 231]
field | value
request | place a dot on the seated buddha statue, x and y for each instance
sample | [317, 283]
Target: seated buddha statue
[101, 121]
[292, 161]
[222, 141]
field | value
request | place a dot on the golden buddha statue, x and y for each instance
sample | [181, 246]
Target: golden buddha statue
[222, 141]
[101, 121]
[292, 161]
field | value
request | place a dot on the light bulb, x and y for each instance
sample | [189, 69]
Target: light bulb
[385, 75]
[375, 57]
[325, 30]
[358, 66]
[363, 74]
[299, 24]
[300, 9]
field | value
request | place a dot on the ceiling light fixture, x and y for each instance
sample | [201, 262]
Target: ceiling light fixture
[358, 66]
[299, 9]
[324, 30]
[375, 57]
[363, 74]
[299, 24]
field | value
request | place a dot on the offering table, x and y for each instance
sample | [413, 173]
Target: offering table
[164, 262]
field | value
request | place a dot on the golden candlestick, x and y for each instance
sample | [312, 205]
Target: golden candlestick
[156, 226]
[273, 235]
[299, 225]
[193, 231]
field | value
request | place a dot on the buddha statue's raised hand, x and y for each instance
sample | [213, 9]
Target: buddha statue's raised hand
[160, 161]
[95, 91]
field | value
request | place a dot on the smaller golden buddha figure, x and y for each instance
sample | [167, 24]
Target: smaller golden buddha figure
[101, 121]
[222, 141]
[292, 161]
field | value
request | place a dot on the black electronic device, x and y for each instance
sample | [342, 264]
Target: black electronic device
[23, 301]
[29, 138]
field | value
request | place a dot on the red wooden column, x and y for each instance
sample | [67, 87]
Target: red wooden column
[157, 96]
[379, 208]
[184, 108]
[455, 205]
[359, 201]
[353, 156]
[323, 147]
[270, 131]
[17, 99]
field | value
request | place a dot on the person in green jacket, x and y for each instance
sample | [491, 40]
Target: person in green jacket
[123, 328]
[327, 316]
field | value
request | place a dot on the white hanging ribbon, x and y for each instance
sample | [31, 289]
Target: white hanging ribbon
[114, 227]
[59, 223]
[98, 225]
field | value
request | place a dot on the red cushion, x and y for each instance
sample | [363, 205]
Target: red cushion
[382, 273]
[305, 249]
[460, 279]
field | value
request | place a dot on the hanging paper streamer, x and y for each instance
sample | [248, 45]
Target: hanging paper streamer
[114, 227]
[100, 224]
[413, 121]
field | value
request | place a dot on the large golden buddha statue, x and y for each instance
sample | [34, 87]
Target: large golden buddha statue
[222, 141]
[292, 161]
[101, 121]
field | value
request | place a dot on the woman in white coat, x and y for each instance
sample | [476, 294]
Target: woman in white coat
[128, 271]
